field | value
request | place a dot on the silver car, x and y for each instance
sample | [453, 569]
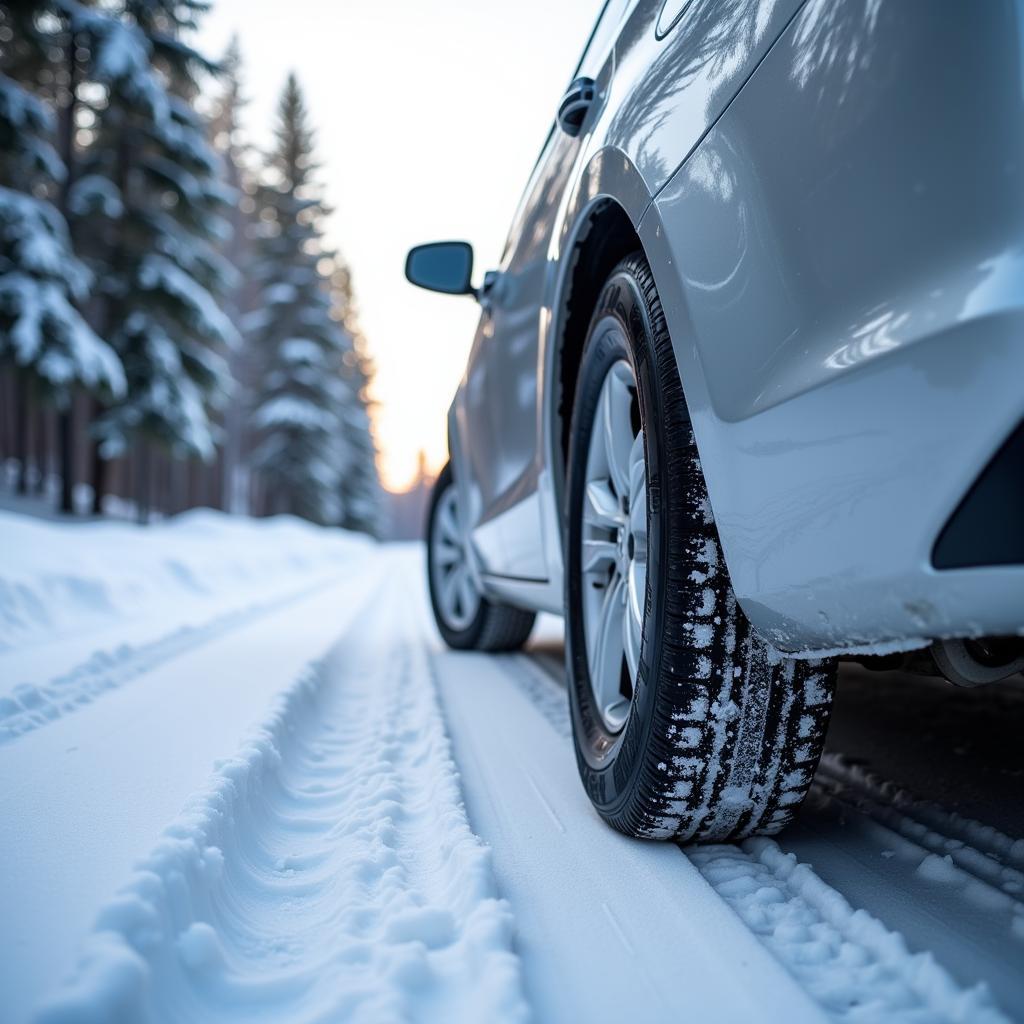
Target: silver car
[747, 393]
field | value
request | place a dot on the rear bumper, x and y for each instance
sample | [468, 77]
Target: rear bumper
[830, 536]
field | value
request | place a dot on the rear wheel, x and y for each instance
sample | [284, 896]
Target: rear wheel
[686, 723]
[466, 619]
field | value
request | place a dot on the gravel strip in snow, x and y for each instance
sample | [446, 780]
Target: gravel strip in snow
[326, 872]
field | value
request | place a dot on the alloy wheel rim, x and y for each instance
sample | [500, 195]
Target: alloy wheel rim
[614, 547]
[454, 586]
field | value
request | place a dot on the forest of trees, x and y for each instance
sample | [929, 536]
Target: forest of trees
[174, 329]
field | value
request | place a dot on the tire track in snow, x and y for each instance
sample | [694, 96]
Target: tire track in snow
[912, 865]
[990, 856]
[599, 926]
[30, 706]
[326, 872]
[852, 964]
[541, 686]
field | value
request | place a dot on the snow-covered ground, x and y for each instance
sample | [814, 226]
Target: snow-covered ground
[86, 607]
[242, 780]
[63, 579]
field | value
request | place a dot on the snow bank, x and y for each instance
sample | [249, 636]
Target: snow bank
[65, 579]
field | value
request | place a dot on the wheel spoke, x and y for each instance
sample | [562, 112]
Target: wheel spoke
[605, 634]
[633, 620]
[600, 508]
[637, 476]
[598, 555]
[617, 427]
[456, 591]
[449, 584]
[449, 524]
[447, 553]
[465, 591]
[633, 624]
[616, 711]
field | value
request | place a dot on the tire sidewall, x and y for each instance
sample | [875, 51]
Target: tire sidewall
[610, 763]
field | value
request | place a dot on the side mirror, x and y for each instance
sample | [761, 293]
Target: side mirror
[442, 267]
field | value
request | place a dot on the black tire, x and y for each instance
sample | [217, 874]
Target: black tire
[723, 734]
[495, 627]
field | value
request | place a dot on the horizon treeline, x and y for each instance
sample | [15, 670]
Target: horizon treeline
[174, 329]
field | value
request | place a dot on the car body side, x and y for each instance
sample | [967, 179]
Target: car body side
[830, 198]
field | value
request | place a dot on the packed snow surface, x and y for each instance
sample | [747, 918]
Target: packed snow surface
[243, 781]
[325, 871]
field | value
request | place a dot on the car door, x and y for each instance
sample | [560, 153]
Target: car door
[500, 397]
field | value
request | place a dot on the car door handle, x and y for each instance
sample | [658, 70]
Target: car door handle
[576, 102]
[487, 292]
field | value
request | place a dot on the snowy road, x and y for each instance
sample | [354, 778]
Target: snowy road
[303, 808]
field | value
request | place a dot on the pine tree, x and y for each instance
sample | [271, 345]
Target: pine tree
[226, 137]
[42, 332]
[362, 498]
[153, 200]
[303, 454]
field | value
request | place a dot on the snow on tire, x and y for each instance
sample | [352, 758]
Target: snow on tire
[720, 734]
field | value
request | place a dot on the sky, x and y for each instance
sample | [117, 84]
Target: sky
[429, 117]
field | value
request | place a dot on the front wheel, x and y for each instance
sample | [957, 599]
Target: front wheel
[686, 724]
[466, 619]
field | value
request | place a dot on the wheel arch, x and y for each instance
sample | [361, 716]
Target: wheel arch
[604, 235]
[620, 218]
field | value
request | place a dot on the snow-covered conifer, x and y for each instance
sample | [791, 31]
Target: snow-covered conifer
[228, 141]
[42, 333]
[362, 498]
[151, 202]
[301, 398]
